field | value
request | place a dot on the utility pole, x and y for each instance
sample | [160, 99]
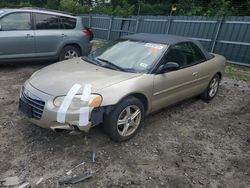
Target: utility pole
[139, 7]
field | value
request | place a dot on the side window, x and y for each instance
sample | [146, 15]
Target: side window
[185, 54]
[16, 21]
[175, 54]
[68, 23]
[46, 21]
[195, 55]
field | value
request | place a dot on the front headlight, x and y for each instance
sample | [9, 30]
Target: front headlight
[77, 103]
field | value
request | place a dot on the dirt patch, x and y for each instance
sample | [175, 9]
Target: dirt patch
[192, 144]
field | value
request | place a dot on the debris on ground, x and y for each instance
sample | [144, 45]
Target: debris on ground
[39, 181]
[11, 181]
[24, 185]
[86, 140]
[93, 156]
[76, 179]
[73, 133]
[71, 171]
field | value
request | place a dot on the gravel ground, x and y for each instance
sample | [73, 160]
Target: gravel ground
[192, 144]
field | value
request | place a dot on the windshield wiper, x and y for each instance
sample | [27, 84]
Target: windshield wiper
[85, 58]
[130, 70]
[111, 65]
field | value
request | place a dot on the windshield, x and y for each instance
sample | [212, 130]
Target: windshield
[130, 56]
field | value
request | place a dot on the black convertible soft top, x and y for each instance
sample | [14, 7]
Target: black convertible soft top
[165, 39]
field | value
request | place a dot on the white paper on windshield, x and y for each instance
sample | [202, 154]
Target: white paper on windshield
[152, 45]
[66, 103]
[144, 65]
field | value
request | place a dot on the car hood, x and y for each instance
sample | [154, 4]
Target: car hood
[57, 79]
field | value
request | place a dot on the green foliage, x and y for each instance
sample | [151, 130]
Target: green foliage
[14, 3]
[73, 6]
[53, 4]
[205, 8]
[121, 9]
[237, 72]
[124, 9]
[219, 8]
[155, 9]
[143, 7]
[102, 9]
[189, 7]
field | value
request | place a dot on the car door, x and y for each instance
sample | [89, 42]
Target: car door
[174, 86]
[16, 36]
[48, 35]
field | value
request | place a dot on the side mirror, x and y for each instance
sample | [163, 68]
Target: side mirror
[170, 66]
[0, 27]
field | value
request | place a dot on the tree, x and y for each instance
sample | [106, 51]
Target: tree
[147, 7]
[53, 4]
[73, 6]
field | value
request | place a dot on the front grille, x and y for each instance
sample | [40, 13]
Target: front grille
[36, 104]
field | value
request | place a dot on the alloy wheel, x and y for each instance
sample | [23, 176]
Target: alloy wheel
[213, 87]
[129, 120]
[70, 54]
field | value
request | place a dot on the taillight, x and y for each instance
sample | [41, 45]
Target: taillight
[88, 31]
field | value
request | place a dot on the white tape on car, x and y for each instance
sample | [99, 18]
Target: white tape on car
[84, 116]
[86, 93]
[84, 111]
[61, 114]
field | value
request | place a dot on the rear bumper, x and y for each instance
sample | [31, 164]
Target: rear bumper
[45, 116]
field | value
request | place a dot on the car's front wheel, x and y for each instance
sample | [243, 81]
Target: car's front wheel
[212, 88]
[69, 52]
[124, 121]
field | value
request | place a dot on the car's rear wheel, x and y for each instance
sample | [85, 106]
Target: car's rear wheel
[69, 52]
[212, 88]
[124, 121]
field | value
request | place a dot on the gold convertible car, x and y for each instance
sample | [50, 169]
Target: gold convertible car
[119, 84]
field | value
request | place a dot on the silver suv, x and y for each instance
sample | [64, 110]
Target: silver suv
[31, 34]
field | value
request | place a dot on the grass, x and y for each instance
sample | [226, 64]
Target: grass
[238, 72]
[97, 43]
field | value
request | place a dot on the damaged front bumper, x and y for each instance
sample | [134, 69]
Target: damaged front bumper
[41, 111]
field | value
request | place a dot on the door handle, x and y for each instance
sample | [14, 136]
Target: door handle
[63, 35]
[28, 36]
[195, 73]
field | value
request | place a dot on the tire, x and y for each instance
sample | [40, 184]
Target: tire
[129, 125]
[212, 88]
[69, 52]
